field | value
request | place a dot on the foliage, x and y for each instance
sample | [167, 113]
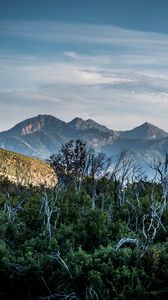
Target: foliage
[74, 162]
[55, 244]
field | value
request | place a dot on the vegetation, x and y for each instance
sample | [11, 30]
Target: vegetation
[21, 169]
[105, 240]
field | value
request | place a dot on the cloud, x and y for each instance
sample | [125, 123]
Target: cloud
[72, 54]
[113, 75]
[92, 34]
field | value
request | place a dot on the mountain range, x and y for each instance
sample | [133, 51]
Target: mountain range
[43, 135]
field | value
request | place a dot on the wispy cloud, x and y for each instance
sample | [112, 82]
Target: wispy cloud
[104, 34]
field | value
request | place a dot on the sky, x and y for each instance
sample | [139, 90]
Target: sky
[101, 59]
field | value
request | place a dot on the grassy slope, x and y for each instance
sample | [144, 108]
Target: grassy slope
[19, 168]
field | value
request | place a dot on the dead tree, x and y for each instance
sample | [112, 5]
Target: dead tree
[161, 175]
[98, 165]
[127, 241]
[120, 175]
[49, 211]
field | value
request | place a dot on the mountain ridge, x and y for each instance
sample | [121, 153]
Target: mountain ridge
[81, 124]
[43, 135]
[145, 131]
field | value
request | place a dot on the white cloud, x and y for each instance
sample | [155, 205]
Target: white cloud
[72, 54]
[119, 88]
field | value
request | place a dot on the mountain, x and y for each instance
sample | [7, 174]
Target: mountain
[145, 131]
[144, 143]
[89, 124]
[20, 169]
[76, 123]
[94, 133]
[45, 123]
[39, 136]
[43, 135]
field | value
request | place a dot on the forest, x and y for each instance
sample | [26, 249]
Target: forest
[100, 233]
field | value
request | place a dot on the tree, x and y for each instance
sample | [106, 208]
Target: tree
[75, 161]
[69, 163]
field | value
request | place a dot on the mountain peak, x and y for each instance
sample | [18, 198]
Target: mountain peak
[77, 119]
[36, 124]
[147, 124]
[146, 131]
[76, 123]
[89, 124]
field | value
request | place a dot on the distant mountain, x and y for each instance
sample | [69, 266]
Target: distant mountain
[80, 124]
[20, 169]
[141, 151]
[76, 123]
[39, 136]
[144, 142]
[43, 135]
[42, 123]
[145, 131]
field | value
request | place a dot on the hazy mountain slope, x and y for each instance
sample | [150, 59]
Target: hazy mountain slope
[141, 150]
[24, 170]
[145, 131]
[161, 146]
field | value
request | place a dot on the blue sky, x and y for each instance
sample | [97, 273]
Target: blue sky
[100, 59]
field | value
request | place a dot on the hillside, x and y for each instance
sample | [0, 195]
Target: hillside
[24, 170]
